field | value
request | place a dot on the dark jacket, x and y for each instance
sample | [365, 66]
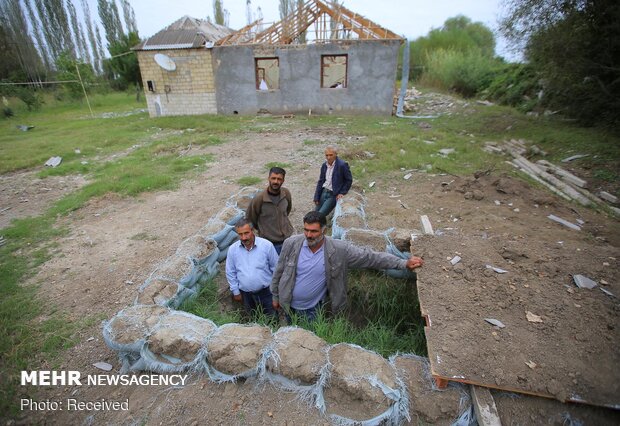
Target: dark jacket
[341, 179]
[271, 220]
[339, 257]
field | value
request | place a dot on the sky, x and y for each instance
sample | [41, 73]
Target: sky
[410, 18]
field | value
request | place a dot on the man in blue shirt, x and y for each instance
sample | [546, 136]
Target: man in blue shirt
[249, 268]
[334, 181]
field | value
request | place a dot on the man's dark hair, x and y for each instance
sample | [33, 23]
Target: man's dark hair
[277, 171]
[316, 217]
[242, 222]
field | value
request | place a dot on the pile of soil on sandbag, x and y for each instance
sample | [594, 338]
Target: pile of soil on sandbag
[135, 323]
[349, 393]
[179, 335]
[349, 221]
[196, 247]
[158, 292]
[175, 268]
[212, 227]
[227, 214]
[243, 198]
[301, 355]
[235, 348]
[425, 404]
[374, 240]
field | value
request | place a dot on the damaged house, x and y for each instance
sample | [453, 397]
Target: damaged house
[317, 60]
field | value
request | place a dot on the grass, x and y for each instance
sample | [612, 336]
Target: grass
[384, 316]
[285, 166]
[249, 180]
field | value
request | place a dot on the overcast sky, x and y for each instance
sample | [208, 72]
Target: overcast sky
[411, 18]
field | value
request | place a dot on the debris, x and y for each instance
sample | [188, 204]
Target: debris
[530, 364]
[497, 202]
[90, 339]
[561, 173]
[269, 413]
[607, 292]
[580, 222]
[369, 154]
[498, 270]
[407, 176]
[584, 282]
[77, 151]
[403, 205]
[495, 322]
[574, 157]
[455, 260]
[426, 225]
[24, 128]
[484, 407]
[402, 152]
[53, 161]
[371, 184]
[532, 317]
[486, 103]
[5, 209]
[2, 240]
[447, 151]
[564, 222]
[129, 282]
[608, 197]
[103, 366]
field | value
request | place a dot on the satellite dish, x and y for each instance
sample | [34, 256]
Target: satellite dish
[165, 62]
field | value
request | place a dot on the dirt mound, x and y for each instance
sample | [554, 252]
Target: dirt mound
[196, 247]
[243, 198]
[134, 323]
[350, 393]
[175, 268]
[366, 238]
[235, 348]
[229, 214]
[428, 405]
[300, 355]
[158, 292]
[178, 337]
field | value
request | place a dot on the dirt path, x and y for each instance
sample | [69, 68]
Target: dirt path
[115, 243]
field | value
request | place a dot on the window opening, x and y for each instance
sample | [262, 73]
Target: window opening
[334, 71]
[267, 74]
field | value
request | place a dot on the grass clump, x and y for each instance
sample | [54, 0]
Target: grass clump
[285, 166]
[249, 180]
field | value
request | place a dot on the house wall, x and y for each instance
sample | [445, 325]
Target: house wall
[370, 83]
[190, 89]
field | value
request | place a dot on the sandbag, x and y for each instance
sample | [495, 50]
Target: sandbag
[127, 330]
[159, 291]
[236, 351]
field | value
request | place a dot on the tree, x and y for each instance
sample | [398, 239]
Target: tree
[457, 34]
[220, 15]
[108, 13]
[574, 46]
[123, 67]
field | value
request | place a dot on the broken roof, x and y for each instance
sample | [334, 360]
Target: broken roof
[185, 33]
[338, 23]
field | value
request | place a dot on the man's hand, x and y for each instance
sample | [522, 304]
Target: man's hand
[316, 203]
[237, 297]
[414, 262]
[275, 304]
[339, 197]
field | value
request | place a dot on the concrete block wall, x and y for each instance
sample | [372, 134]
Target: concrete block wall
[371, 76]
[188, 90]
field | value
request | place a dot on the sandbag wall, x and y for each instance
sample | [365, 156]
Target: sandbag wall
[336, 379]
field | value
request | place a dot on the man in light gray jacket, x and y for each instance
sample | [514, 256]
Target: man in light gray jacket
[313, 266]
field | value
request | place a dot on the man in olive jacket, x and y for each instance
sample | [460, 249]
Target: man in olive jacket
[268, 211]
[313, 266]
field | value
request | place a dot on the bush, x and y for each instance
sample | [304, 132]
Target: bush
[466, 73]
[516, 85]
[7, 112]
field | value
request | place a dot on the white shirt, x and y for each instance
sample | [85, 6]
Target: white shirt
[328, 176]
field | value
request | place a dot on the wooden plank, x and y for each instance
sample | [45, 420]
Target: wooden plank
[484, 407]
[563, 174]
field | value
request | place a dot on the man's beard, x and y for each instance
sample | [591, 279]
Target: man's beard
[274, 188]
[313, 242]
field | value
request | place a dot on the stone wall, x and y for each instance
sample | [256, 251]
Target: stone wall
[188, 90]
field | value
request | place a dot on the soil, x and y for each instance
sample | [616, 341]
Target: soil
[116, 243]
